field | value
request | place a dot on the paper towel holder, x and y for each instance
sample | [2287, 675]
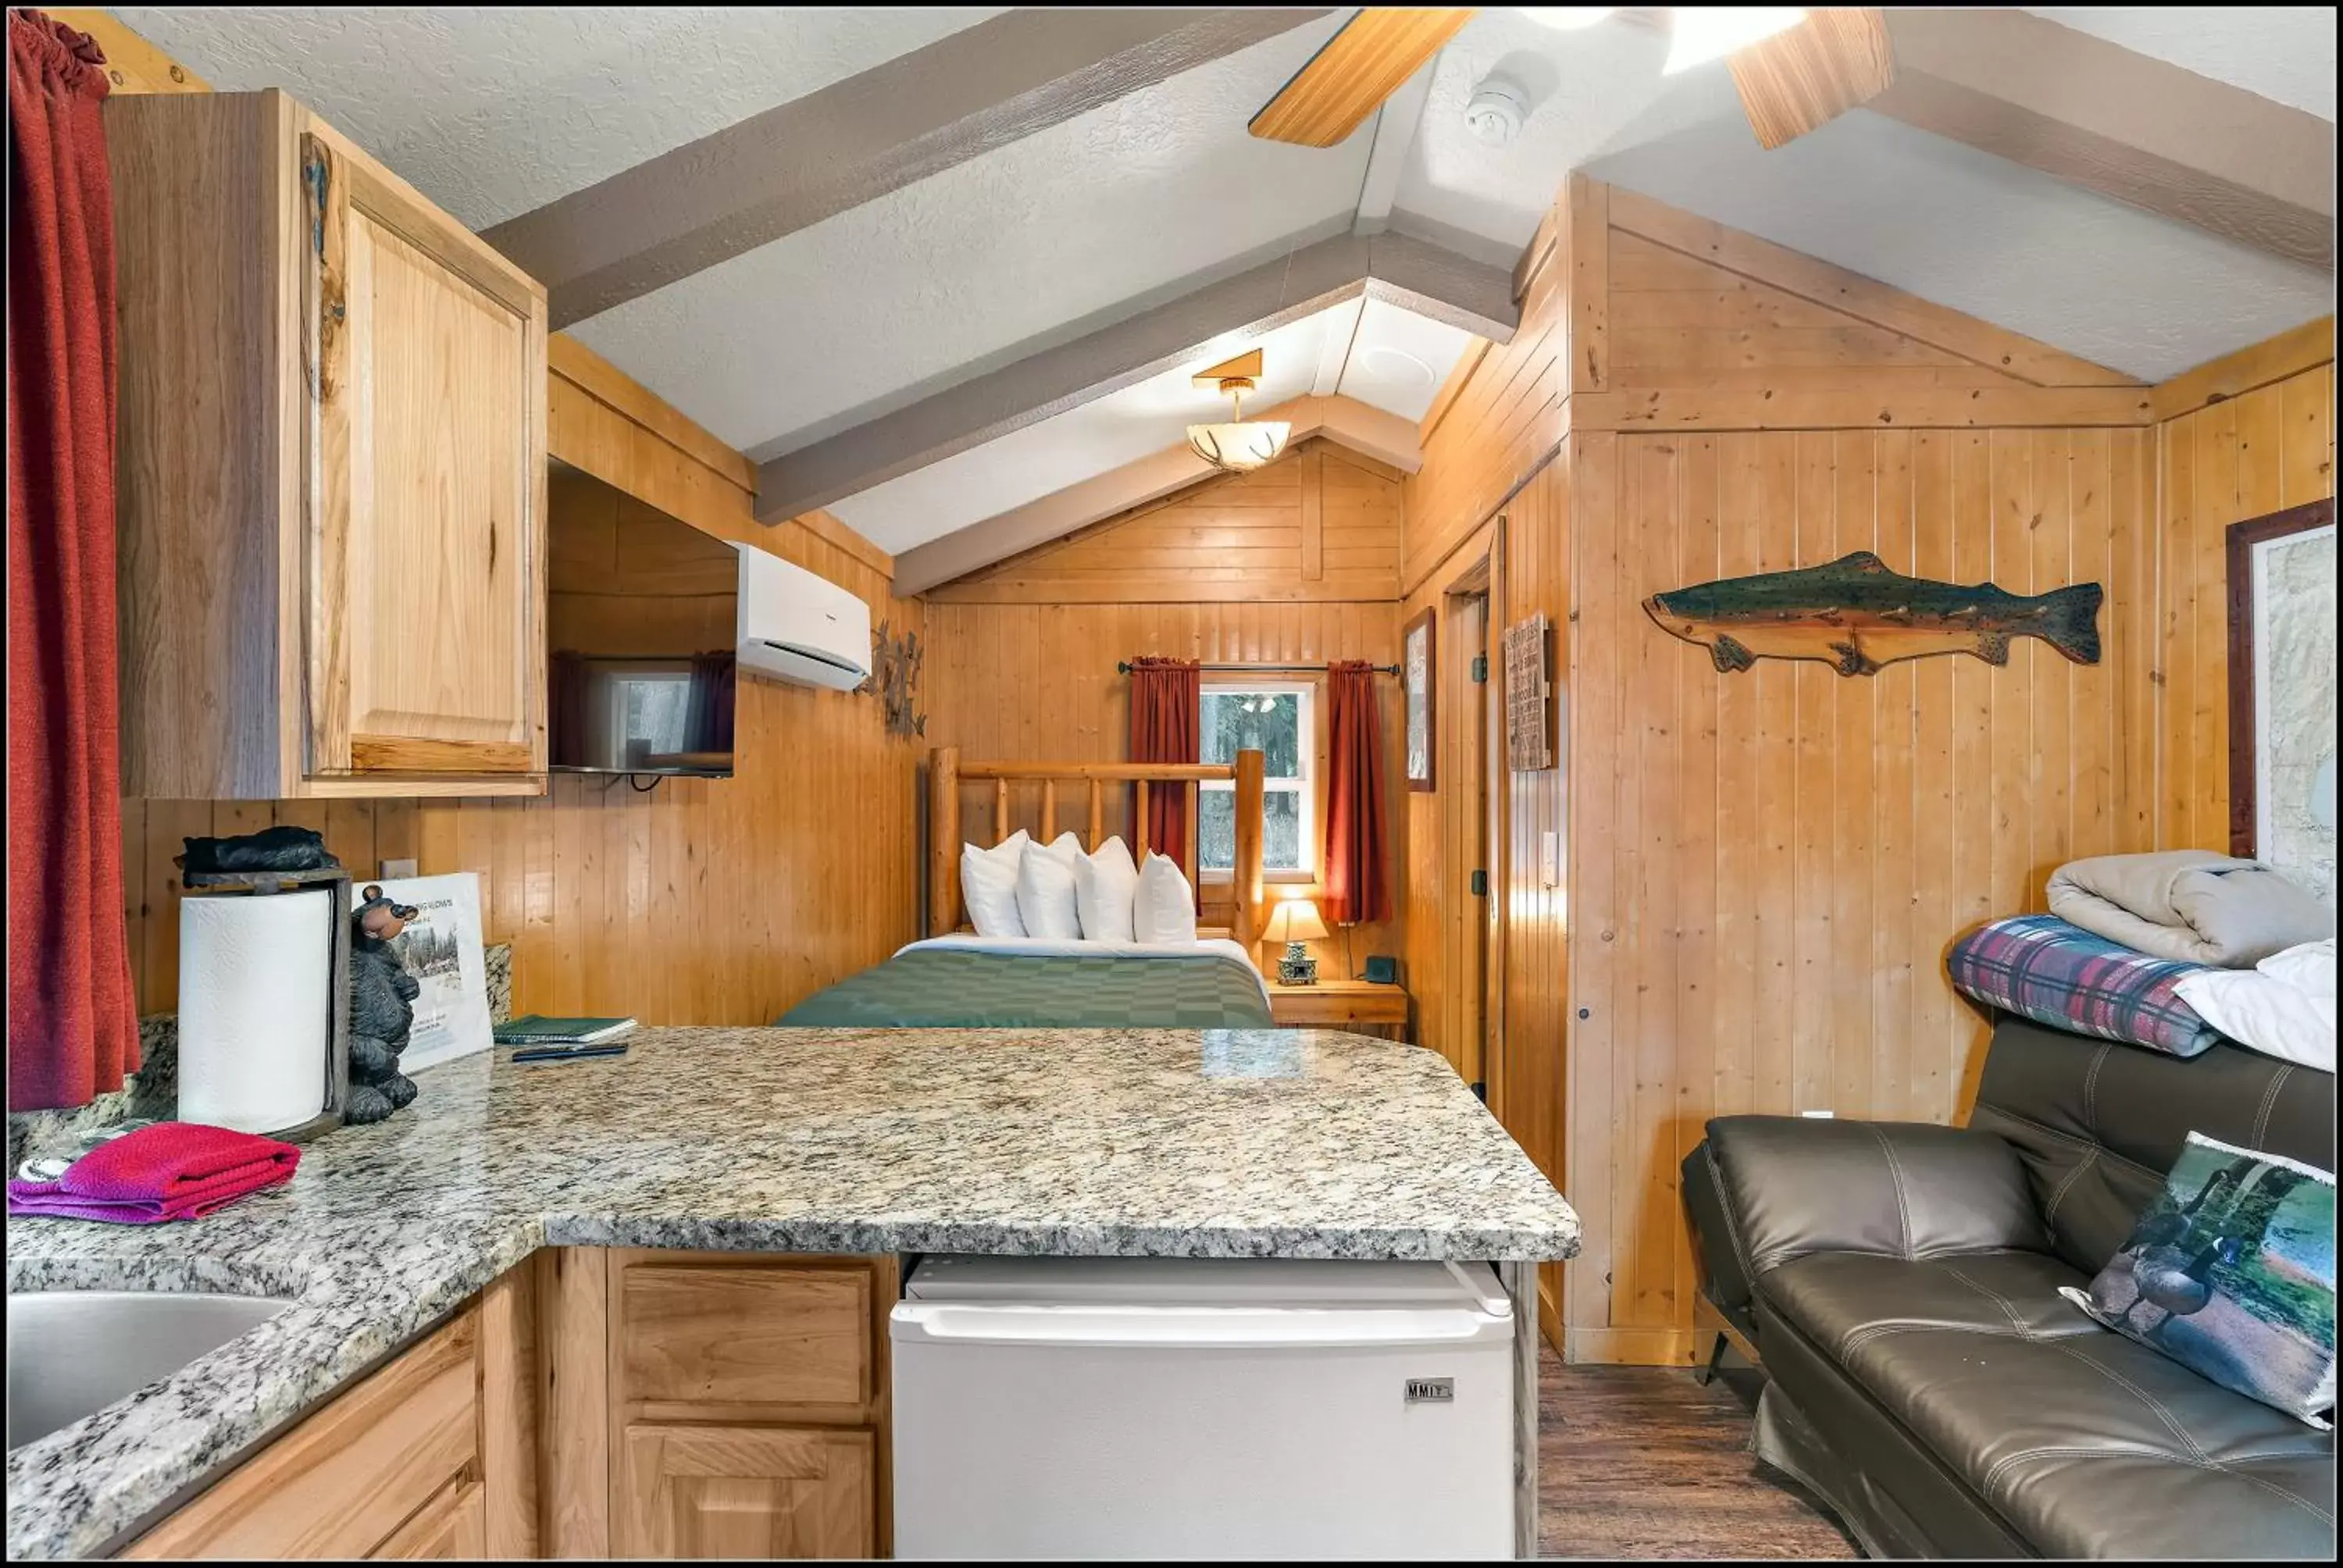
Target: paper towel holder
[335, 879]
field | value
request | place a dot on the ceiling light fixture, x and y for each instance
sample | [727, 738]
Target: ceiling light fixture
[1567, 18]
[1240, 445]
[1706, 33]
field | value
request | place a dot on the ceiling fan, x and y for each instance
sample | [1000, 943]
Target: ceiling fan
[1795, 69]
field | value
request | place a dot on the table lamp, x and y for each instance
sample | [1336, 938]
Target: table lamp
[1295, 923]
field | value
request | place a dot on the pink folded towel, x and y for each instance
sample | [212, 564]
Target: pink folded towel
[171, 1170]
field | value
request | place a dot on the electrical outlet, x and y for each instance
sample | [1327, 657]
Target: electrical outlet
[1819, 1115]
[1549, 858]
[398, 868]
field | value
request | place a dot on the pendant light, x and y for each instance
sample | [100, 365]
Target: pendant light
[1240, 445]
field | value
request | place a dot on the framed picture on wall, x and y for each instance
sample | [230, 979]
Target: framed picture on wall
[2282, 572]
[1416, 671]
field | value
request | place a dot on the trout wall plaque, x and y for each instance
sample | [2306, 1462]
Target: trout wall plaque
[1856, 615]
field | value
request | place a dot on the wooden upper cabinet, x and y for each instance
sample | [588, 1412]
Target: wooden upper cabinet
[331, 470]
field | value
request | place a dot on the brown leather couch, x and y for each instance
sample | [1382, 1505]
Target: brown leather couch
[1927, 1379]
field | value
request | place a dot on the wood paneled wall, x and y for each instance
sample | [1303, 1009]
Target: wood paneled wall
[700, 901]
[1763, 870]
[2258, 450]
[1021, 658]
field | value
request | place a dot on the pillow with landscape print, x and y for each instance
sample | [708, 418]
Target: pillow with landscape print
[2231, 1273]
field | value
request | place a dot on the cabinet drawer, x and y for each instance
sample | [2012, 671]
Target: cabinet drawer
[343, 1480]
[747, 1491]
[724, 1333]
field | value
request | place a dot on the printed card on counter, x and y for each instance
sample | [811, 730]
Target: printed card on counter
[441, 947]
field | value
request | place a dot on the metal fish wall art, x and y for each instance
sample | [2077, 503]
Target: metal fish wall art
[1856, 615]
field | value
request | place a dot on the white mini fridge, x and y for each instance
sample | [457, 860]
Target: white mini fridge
[1177, 1407]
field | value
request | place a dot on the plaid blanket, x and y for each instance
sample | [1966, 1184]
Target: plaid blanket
[2042, 968]
[944, 988]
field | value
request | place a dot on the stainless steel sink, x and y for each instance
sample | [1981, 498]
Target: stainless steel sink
[72, 1352]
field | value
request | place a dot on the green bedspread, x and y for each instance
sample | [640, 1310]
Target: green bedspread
[948, 987]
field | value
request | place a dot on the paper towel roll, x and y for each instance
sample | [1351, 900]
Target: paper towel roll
[254, 1009]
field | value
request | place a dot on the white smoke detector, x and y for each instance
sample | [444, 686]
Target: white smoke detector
[1497, 112]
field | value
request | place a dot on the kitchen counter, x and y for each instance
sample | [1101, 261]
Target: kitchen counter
[1300, 1144]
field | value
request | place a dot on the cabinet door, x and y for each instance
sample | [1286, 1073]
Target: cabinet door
[746, 1492]
[453, 1527]
[424, 465]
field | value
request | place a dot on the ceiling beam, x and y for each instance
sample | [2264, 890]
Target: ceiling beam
[855, 140]
[1396, 267]
[2136, 129]
[1371, 432]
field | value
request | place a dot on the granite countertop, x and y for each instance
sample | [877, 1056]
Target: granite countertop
[1295, 1143]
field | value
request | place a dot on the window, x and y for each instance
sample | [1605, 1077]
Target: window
[1276, 719]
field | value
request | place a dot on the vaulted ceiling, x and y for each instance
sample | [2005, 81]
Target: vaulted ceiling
[930, 266]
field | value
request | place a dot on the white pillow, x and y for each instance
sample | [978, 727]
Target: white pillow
[2265, 1015]
[1105, 884]
[988, 886]
[1045, 889]
[1164, 908]
[2309, 968]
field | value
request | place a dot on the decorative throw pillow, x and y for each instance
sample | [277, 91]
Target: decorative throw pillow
[988, 886]
[2264, 1014]
[1164, 909]
[1045, 888]
[2231, 1273]
[1105, 885]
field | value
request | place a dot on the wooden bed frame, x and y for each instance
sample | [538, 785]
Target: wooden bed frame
[947, 772]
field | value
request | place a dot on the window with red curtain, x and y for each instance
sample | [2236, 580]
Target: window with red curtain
[1356, 878]
[73, 1029]
[1166, 726]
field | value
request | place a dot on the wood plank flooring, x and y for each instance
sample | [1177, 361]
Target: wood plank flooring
[1643, 1461]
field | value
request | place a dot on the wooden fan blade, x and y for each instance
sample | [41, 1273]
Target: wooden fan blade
[1813, 73]
[1348, 79]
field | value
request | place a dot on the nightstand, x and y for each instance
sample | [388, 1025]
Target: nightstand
[1363, 1007]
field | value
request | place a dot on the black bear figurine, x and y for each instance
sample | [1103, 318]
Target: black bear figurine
[382, 997]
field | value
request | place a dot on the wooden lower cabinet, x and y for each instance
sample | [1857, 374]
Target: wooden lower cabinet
[414, 1461]
[746, 1492]
[453, 1527]
[715, 1404]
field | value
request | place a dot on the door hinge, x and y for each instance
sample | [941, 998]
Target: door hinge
[1480, 884]
[1480, 669]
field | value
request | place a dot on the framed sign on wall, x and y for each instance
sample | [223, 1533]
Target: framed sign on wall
[2282, 572]
[1529, 738]
[1416, 671]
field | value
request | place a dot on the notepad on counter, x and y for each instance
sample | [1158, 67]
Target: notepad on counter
[539, 1029]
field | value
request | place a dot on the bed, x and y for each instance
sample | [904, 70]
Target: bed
[956, 980]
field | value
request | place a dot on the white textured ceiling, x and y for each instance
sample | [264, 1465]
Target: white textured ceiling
[495, 110]
[2284, 53]
[1384, 356]
[928, 285]
[2119, 286]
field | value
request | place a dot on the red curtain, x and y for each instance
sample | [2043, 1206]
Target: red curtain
[73, 1029]
[1357, 885]
[1166, 726]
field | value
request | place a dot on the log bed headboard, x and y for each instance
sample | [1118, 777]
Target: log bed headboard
[947, 772]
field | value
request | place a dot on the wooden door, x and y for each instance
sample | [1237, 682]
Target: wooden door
[424, 468]
[746, 1492]
[453, 1527]
[1465, 764]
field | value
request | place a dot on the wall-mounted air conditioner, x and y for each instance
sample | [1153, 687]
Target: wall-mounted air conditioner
[800, 628]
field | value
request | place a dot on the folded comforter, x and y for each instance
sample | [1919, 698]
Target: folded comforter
[2188, 905]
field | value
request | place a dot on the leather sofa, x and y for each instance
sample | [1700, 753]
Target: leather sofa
[1925, 1376]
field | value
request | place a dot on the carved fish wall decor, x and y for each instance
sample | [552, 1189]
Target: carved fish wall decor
[1856, 615]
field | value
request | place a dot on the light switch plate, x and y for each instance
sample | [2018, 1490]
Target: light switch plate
[1549, 858]
[398, 868]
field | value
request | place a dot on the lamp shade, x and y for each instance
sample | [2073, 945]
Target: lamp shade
[1242, 447]
[1296, 921]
